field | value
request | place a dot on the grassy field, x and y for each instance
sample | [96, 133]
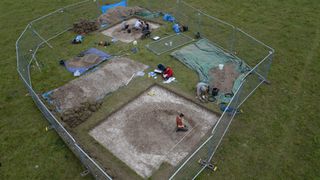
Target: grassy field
[277, 137]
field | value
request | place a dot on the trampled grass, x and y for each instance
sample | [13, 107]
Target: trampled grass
[276, 137]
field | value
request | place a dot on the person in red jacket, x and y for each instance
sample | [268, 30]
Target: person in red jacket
[167, 73]
[180, 125]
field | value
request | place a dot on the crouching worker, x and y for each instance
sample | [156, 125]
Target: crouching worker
[124, 26]
[146, 30]
[104, 43]
[138, 25]
[180, 125]
[167, 73]
[202, 91]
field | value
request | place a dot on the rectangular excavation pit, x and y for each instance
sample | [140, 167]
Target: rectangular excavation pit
[78, 99]
[122, 35]
[143, 134]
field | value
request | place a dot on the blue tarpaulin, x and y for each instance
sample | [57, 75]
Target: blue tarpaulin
[97, 52]
[105, 8]
[168, 17]
[89, 59]
[176, 28]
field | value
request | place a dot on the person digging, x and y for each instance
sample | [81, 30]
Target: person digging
[145, 30]
[138, 25]
[202, 91]
[124, 26]
[180, 124]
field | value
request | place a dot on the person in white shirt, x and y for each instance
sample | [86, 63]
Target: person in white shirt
[138, 24]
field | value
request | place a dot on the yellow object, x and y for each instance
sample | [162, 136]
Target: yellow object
[151, 93]
[215, 168]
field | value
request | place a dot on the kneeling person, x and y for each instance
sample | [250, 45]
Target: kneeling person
[167, 73]
[180, 125]
[202, 91]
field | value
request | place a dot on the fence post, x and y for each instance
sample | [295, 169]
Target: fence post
[199, 22]
[270, 59]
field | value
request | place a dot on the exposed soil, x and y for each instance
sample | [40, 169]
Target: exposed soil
[117, 14]
[143, 133]
[223, 79]
[85, 26]
[76, 100]
[123, 35]
[87, 60]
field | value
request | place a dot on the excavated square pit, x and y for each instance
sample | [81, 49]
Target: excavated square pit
[143, 133]
[124, 36]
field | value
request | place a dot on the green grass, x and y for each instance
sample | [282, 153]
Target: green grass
[277, 137]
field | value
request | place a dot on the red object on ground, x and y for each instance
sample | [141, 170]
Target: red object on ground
[179, 122]
[168, 72]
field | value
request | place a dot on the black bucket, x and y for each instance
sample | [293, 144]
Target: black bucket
[215, 91]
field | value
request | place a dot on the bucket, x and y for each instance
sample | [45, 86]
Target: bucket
[135, 43]
[221, 66]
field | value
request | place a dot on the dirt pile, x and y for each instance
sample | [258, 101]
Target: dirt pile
[76, 116]
[117, 14]
[85, 26]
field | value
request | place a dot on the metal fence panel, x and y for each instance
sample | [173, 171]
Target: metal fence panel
[191, 166]
[188, 16]
[37, 33]
[62, 19]
[249, 49]
[240, 44]
[26, 46]
[89, 163]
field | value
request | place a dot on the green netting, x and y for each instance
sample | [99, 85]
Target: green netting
[169, 43]
[204, 57]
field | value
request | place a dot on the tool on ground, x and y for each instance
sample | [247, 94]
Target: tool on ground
[208, 165]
